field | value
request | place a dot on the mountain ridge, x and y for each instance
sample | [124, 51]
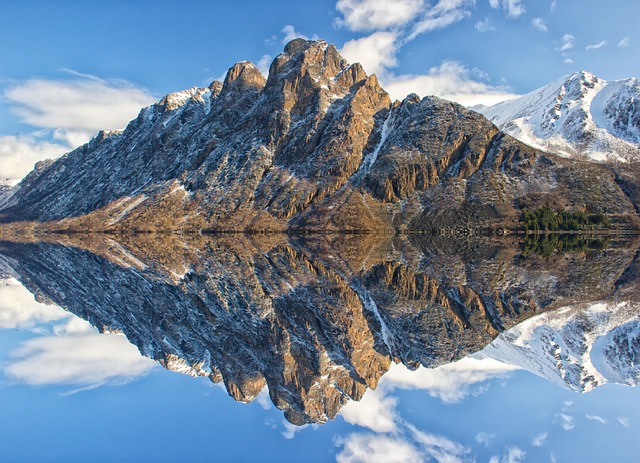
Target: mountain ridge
[316, 146]
[576, 115]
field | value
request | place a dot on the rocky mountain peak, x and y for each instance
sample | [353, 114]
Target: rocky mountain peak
[314, 62]
[242, 77]
[175, 100]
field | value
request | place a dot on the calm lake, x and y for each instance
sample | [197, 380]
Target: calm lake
[320, 348]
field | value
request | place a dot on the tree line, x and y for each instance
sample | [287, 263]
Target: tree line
[547, 220]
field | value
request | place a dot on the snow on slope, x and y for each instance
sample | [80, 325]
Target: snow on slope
[577, 348]
[577, 115]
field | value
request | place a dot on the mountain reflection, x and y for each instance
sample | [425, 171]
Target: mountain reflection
[318, 319]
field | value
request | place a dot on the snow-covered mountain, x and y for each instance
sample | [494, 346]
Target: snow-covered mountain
[577, 115]
[579, 348]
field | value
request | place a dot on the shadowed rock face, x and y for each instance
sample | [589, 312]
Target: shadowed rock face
[316, 146]
[318, 320]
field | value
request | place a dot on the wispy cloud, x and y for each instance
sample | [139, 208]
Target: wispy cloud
[597, 418]
[358, 448]
[370, 15]
[79, 106]
[450, 80]
[77, 355]
[71, 111]
[397, 23]
[567, 42]
[539, 440]
[566, 421]
[624, 42]
[484, 438]
[485, 25]
[513, 8]
[568, 61]
[408, 18]
[443, 14]
[439, 448]
[511, 455]
[450, 383]
[539, 24]
[596, 46]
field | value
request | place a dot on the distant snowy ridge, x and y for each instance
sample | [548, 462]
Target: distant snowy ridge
[579, 348]
[577, 115]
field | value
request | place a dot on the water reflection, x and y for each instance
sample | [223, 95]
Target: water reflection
[321, 319]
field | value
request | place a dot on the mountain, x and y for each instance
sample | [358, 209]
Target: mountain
[579, 348]
[316, 146]
[579, 115]
[317, 319]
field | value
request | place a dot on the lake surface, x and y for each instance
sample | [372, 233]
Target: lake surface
[319, 348]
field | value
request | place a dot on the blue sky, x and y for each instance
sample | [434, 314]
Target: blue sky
[71, 68]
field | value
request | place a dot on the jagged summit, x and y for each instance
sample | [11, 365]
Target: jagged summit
[317, 146]
[576, 115]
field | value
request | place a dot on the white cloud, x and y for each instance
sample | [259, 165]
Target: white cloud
[567, 42]
[369, 15]
[373, 411]
[369, 448]
[539, 24]
[375, 52]
[263, 65]
[19, 154]
[513, 8]
[512, 455]
[439, 448]
[290, 430]
[291, 33]
[624, 421]
[484, 438]
[79, 356]
[568, 61]
[538, 440]
[76, 108]
[451, 383]
[597, 46]
[71, 110]
[485, 26]
[597, 418]
[566, 421]
[263, 398]
[442, 14]
[451, 80]
[624, 42]
[19, 309]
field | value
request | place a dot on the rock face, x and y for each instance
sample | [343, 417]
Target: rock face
[317, 320]
[317, 146]
[579, 115]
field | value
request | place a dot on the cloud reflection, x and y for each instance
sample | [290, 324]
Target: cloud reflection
[71, 352]
[81, 359]
[19, 309]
